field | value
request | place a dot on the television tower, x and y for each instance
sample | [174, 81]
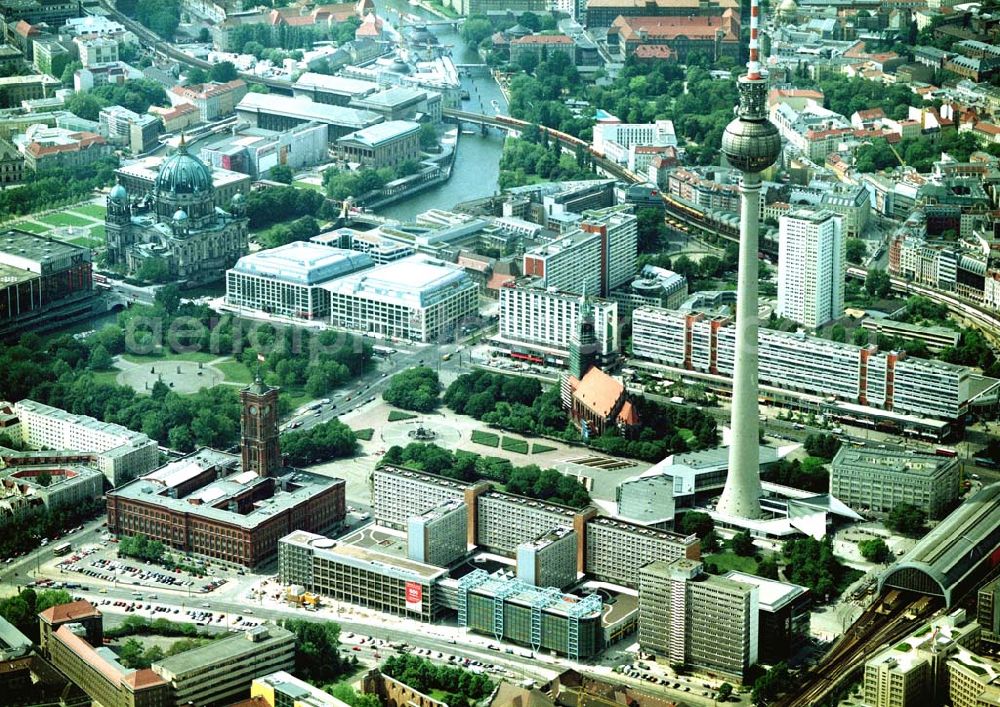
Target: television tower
[751, 144]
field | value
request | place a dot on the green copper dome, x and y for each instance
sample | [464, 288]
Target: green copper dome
[183, 173]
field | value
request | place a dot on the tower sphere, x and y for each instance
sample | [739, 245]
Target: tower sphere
[750, 145]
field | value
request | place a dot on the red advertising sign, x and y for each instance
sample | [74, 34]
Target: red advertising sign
[414, 596]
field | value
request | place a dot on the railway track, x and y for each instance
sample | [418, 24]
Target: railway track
[876, 628]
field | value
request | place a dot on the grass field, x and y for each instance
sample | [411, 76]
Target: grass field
[399, 415]
[487, 439]
[537, 448]
[30, 227]
[514, 445]
[196, 356]
[307, 185]
[65, 219]
[235, 371]
[726, 561]
[92, 210]
[366, 434]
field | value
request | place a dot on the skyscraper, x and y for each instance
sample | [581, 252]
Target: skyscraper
[751, 143]
[811, 267]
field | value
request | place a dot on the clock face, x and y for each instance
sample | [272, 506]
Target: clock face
[253, 409]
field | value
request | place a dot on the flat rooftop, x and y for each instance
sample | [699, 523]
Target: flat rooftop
[26, 251]
[368, 548]
[210, 501]
[416, 281]
[381, 133]
[232, 648]
[341, 85]
[772, 595]
[392, 98]
[303, 263]
[305, 109]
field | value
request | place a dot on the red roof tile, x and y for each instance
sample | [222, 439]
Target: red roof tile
[73, 611]
[599, 392]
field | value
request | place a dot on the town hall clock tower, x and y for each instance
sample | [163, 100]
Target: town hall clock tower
[259, 429]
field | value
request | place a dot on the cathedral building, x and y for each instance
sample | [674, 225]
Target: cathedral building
[178, 225]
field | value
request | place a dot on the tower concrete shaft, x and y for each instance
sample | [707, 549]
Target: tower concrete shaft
[751, 144]
[741, 495]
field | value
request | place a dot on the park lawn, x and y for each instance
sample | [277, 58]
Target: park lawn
[726, 561]
[537, 448]
[92, 210]
[366, 434]
[109, 377]
[235, 372]
[85, 241]
[399, 416]
[195, 356]
[31, 227]
[307, 185]
[297, 397]
[512, 444]
[487, 439]
[97, 232]
[64, 219]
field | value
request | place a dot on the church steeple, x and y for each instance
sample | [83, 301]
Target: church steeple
[583, 342]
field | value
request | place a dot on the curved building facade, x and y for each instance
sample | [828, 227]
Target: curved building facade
[951, 559]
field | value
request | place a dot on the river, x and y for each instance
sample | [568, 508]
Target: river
[477, 165]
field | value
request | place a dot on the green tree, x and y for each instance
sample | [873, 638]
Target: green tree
[856, 250]
[906, 519]
[168, 298]
[874, 550]
[195, 76]
[877, 283]
[44, 478]
[742, 544]
[317, 650]
[281, 173]
[131, 654]
[822, 445]
[223, 72]
[415, 389]
[100, 359]
[527, 62]
[428, 136]
[724, 693]
[475, 30]
[84, 104]
[325, 441]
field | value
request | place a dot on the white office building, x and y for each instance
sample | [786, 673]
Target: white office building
[616, 139]
[569, 264]
[416, 298]
[540, 321]
[289, 281]
[119, 453]
[619, 231]
[811, 267]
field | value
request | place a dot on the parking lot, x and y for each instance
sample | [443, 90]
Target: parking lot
[197, 616]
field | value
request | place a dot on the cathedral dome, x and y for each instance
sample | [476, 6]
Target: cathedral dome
[180, 215]
[118, 194]
[183, 173]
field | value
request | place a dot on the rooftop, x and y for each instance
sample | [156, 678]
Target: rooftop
[120, 435]
[307, 110]
[392, 97]
[774, 595]
[368, 548]
[513, 590]
[908, 461]
[599, 392]
[300, 691]
[336, 84]
[28, 251]
[955, 547]
[303, 263]
[417, 281]
[273, 495]
[383, 132]
[234, 648]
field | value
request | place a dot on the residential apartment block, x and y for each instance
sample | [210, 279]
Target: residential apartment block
[571, 263]
[540, 321]
[121, 453]
[616, 550]
[707, 622]
[797, 362]
[812, 267]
